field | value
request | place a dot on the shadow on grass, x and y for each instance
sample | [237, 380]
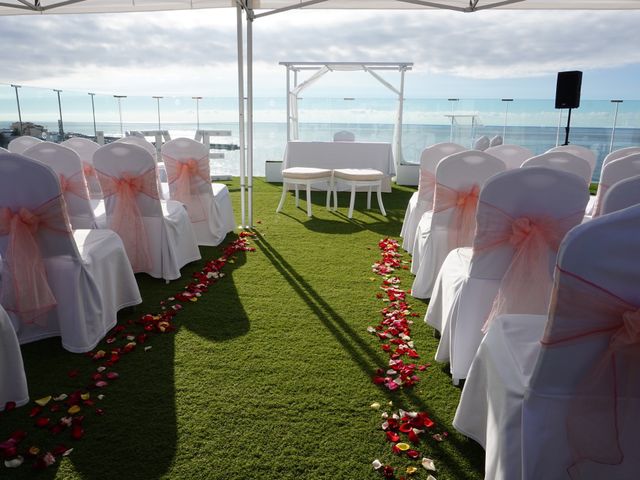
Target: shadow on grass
[361, 352]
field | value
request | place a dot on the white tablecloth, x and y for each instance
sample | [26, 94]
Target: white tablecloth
[332, 155]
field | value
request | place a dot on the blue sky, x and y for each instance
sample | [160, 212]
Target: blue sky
[479, 55]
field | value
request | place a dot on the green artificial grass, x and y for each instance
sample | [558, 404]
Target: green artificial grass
[268, 375]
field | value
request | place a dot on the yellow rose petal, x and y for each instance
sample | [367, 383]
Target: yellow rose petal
[44, 400]
[375, 405]
[85, 396]
[402, 446]
[73, 410]
[411, 470]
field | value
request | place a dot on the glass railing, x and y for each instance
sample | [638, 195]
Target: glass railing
[534, 124]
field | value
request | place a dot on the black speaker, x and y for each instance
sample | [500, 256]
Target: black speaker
[568, 89]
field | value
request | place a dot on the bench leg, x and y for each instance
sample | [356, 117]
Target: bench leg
[380, 204]
[297, 197]
[352, 201]
[284, 195]
[369, 198]
[308, 199]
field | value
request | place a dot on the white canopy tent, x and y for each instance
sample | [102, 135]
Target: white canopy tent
[270, 7]
[322, 68]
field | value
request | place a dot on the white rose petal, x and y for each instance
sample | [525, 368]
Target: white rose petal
[428, 464]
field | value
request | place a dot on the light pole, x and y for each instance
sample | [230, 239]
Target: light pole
[158, 101]
[197, 99]
[453, 118]
[60, 126]
[119, 98]
[18, 102]
[615, 120]
[506, 112]
[93, 109]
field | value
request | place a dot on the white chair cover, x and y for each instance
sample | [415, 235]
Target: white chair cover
[163, 186]
[578, 151]
[495, 141]
[617, 154]
[20, 144]
[87, 271]
[344, 136]
[66, 163]
[422, 200]
[614, 172]
[530, 440]
[211, 214]
[512, 155]
[13, 382]
[4, 150]
[564, 161]
[623, 194]
[170, 240]
[481, 143]
[85, 149]
[468, 282]
[459, 178]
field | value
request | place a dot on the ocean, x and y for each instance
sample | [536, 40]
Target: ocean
[534, 124]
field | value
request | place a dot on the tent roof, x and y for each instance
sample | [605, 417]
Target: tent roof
[17, 7]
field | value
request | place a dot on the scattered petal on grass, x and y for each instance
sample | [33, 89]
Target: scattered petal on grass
[431, 477]
[413, 454]
[60, 398]
[387, 471]
[377, 464]
[411, 470]
[403, 447]
[73, 409]
[43, 401]
[375, 405]
[428, 464]
[14, 462]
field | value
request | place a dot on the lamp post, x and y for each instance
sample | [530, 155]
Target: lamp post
[119, 98]
[506, 113]
[158, 101]
[93, 109]
[197, 99]
[615, 120]
[453, 118]
[60, 126]
[18, 102]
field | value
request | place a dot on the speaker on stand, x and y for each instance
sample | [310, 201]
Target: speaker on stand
[568, 88]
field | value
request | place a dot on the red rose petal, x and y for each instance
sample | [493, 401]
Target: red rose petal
[413, 454]
[392, 437]
[77, 432]
[9, 406]
[42, 422]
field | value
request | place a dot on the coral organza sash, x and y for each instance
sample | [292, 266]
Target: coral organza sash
[126, 219]
[599, 406]
[75, 184]
[463, 204]
[426, 188]
[188, 177]
[25, 289]
[526, 284]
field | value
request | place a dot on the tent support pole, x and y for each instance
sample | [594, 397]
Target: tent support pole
[399, 157]
[241, 124]
[250, 114]
[288, 106]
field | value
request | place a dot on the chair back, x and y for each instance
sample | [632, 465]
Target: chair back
[495, 141]
[20, 144]
[459, 179]
[187, 164]
[481, 143]
[85, 148]
[617, 154]
[511, 155]
[614, 172]
[66, 163]
[623, 194]
[140, 142]
[429, 160]
[344, 136]
[522, 217]
[578, 151]
[4, 150]
[565, 161]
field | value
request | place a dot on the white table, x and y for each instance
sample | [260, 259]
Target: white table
[377, 155]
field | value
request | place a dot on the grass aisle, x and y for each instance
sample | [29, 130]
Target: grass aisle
[268, 376]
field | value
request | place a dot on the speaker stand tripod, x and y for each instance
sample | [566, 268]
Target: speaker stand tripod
[566, 135]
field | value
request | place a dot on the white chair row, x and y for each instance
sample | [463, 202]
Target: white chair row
[354, 178]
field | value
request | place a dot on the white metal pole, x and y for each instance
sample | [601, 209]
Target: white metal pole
[452, 100]
[288, 107]
[250, 115]
[400, 114]
[615, 120]
[158, 101]
[241, 125]
[119, 98]
[16, 87]
[506, 113]
[60, 125]
[93, 109]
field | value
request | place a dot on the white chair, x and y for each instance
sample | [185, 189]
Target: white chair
[157, 236]
[564, 161]
[535, 397]
[614, 172]
[66, 163]
[481, 143]
[459, 178]
[617, 154]
[512, 155]
[358, 178]
[85, 149]
[522, 217]
[13, 381]
[20, 144]
[208, 205]
[623, 194]
[4, 150]
[86, 278]
[422, 200]
[344, 136]
[579, 151]
[305, 176]
[140, 141]
[495, 141]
